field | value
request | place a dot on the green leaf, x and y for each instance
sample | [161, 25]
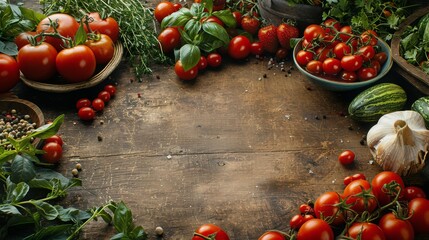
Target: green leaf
[408, 42]
[226, 17]
[54, 232]
[81, 36]
[138, 233]
[179, 18]
[122, 219]
[9, 48]
[208, 4]
[40, 183]
[6, 156]
[19, 192]
[210, 43]
[48, 130]
[196, 9]
[72, 214]
[48, 211]
[216, 31]
[192, 28]
[9, 209]
[189, 56]
[118, 236]
[22, 169]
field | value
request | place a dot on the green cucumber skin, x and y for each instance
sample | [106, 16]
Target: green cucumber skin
[376, 101]
[421, 106]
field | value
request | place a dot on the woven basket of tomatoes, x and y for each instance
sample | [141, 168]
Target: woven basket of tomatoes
[64, 55]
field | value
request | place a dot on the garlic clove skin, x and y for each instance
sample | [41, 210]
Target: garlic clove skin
[399, 142]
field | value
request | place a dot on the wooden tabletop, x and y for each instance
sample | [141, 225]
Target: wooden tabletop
[241, 147]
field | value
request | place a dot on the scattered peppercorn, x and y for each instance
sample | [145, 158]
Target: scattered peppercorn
[75, 172]
[159, 231]
[78, 166]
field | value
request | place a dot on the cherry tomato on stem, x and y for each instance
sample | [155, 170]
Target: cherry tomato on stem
[76, 64]
[108, 26]
[53, 152]
[103, 48]
[209, 229]
[9, 72]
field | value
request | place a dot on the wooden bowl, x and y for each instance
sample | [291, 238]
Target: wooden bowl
[69, 87]
[413, 74]
[24, 107]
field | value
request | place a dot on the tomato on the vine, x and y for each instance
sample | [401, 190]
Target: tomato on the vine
[86, 113]
[66, 26]
[367, 52]
[315, 229]
[37, 63]
[169, 39]
[237, 15]
[239, 47]
[342, 49]
[349, 76]
[331, 66]
[97, 104]
[313, 32]
[379, 189]
[185, 75]
[163, 9]
[351, 63]
[381, 57]
[53, 152]
[210, 229]
[331, 23]
[396, 228]
[358, 194]
[367, 73]
[272, 235]
[345, 33]
[304, 57]
[325, 205]
[103, 48]
[418, 211]
[323, 53]
[365, 231]
[76, 64]
[306, 209]
[296, 221]
[369, 37]
[22, 39]
[314, 67]
[347, 157]
[9, 73]
[108, 26]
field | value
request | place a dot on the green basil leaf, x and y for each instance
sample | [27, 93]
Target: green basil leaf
[208, 4]
[54, 232]
[40, 183]
[19, 192]
[80, 36]
[192, 28]
[122, 219]
[226, 17]
[118, 236]
[217, 31]
[48, 130]
[6, 156]
[138, 233]
[189, 56]
[9, 48]
[186, 39]
[72, 214]
[179, 18]
[8, 209]
[22, 169]
[210, 43]
[46, 210]
[196, 9]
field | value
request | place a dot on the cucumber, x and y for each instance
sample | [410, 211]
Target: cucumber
[421, 106]
[376, 101]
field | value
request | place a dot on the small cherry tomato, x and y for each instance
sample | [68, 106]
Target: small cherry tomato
[272, 235]
[209, 230]
[163, 9]
[97, 104]
[381, 57]
[53, 152]
[177, 6]
[185, 75]
[202, 64]
[86, 114]
[347, 180]
[412, 192]
[306, 209]
[83, 102]
[358, 176]
[54, 138]
[239, 47]
[349, 76]
[347, 157]
[214, 59]
[296, 221]
[369, 37]
[331, 66]
[256, 49]
[314, 67]
[303, 57]
[110, 89]
[366, 73]
[9, 73]
[169, 39]
[104, 95]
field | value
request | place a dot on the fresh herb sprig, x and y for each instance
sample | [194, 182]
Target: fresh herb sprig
[137, 27]
[29, 207]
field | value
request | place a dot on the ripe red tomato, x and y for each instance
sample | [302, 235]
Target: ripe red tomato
[110, 89]
[185, 75]
[169, 39]
[239, 47]
[367, 52]
[395, 228]
[323, 53]
[313, 31]
[97, 104]
[108, 26]
[53, 152]
[83, 102]
[315, 229]
[86, 114]
[104, 95]
[347, 157]
[237, 15]
[209, 229]
[366, 231]
[177, 6]
[345, 33]
[306, 209]
[381, 57]
[67, 26]
[367, 73]
[325, 206]
[358, 176]
[353, 196]
[376, 65]
[37, 63]
[412, 192]
[202, 64]
[256, 49]
[163, 9]
[22, 39]
[342, 49]
[76, 64]
[9, 72]
[331, 23]
[213, 19]
[351, 63]
[348, 76]
[304, 57]
[54, 138]
[272, 235]
[102, 47]
[418, 209]
[314, 67]
[331, 66]
[381, 193]
[214, 59]
[369, 37]
[296, 221]
[250, 24]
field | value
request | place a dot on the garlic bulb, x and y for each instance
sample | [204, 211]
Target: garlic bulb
[399, 142]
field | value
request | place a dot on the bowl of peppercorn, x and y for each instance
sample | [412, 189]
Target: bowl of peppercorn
[18, 118]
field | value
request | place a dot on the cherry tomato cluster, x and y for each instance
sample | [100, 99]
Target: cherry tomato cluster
[335, 52]
[210, 231]
[53, 147]
[87, 108]
[382, 208]
[61, 54]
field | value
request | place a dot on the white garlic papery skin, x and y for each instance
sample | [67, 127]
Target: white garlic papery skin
[399, 142]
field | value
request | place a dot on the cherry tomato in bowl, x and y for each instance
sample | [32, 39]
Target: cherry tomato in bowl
[9, 76]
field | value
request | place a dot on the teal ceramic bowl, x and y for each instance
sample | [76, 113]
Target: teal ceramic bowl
[338, 86]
